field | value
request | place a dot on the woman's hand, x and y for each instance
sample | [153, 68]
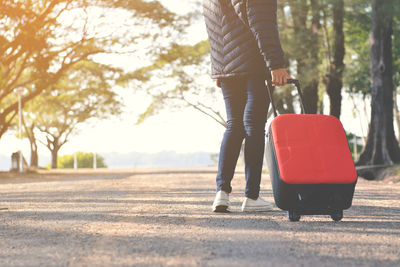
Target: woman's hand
[279, 77]
[218, 83]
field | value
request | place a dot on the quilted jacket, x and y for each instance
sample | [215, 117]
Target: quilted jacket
[243, 36]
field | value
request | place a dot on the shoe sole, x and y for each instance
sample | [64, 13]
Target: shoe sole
[221, 208]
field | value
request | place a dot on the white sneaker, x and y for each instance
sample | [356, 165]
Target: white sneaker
[256, 205]
[221, 202]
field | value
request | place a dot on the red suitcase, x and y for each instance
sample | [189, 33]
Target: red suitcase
[310, 164]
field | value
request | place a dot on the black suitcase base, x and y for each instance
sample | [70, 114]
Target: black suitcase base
[308, 199]
[312, 199]
[295, 215]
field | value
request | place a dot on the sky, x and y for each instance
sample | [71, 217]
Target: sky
[182, 131]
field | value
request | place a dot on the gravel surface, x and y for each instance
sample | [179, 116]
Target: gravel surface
[162, 217]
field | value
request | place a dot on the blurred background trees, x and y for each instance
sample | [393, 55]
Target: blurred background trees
[83, 160]
[84, 93]
[47, 47]
[326, 42]
[382, 146]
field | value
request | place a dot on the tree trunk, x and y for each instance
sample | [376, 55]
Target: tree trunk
[54, 146]
[54, 156]
[382, 146]
[312, 88]
[334, 81]
[29, 131]
[34, 155]
[34, 149]
[310, 93]
[396, 113]
[306, 36]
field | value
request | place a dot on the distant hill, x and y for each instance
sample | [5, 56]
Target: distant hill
[160, 159]
[137, 159]
[5, 162]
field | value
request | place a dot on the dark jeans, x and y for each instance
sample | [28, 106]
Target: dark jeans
[246, 101]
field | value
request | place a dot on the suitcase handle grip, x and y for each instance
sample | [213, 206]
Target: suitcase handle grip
[289, 81]
[293, 81]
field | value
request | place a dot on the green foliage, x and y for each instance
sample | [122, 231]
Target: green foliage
[83, 93]
[84, 160]
[214, 158]
[53, 58]
[357, 25]
[182, 65]
[396, 45]
[152, 10]
[350, 140]
[179, 55]
[38, 47]
[357, 30]
[31, 55]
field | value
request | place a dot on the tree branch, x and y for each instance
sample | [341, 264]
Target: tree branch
[218, 118]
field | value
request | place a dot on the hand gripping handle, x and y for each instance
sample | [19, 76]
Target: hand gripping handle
[291, 81]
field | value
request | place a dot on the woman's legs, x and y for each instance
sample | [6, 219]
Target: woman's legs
[255, 118]
[246, 105]
[234, 92]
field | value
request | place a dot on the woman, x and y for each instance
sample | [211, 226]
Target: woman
[245, 49]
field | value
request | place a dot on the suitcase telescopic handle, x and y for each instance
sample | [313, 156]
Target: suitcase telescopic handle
[296, 83]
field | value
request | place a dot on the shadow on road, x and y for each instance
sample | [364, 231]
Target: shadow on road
[160, 214]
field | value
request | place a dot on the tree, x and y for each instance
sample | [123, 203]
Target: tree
[27, 56]
[396, 64]
[82, 94]
[382, 146]
[37, 48]
[30, 134]
[305, 47]
[181, 66]
[357, 22]
[334, 81]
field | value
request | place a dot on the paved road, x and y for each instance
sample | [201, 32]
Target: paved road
[162, 217]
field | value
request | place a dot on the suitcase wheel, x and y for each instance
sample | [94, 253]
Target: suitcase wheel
[293, 216]
[337, 216]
